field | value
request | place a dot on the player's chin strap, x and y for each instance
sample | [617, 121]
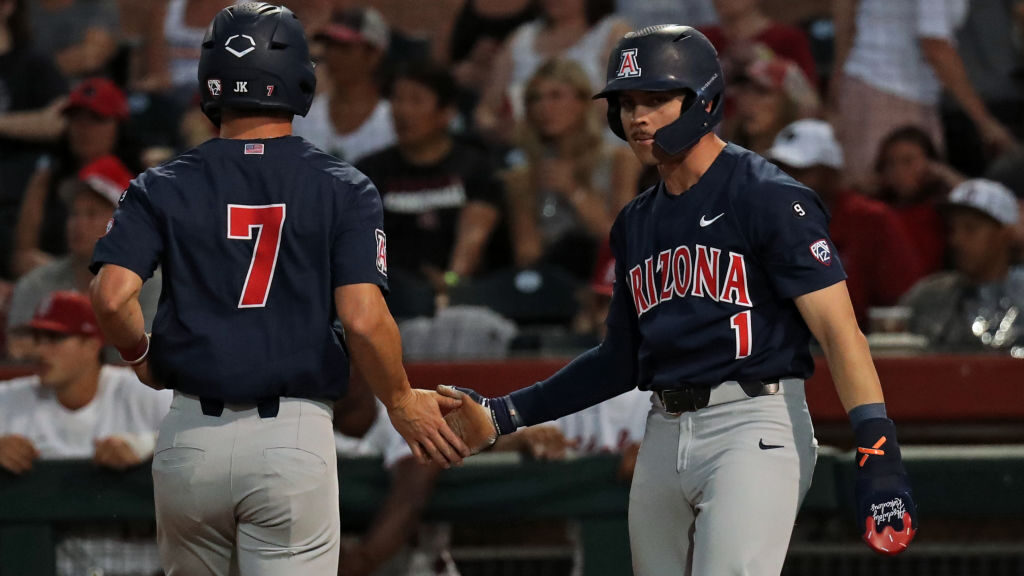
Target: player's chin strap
[885, 504]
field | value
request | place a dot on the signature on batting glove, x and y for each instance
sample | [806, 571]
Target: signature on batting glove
[885, 506]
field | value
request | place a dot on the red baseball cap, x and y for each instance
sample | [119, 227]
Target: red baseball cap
[354, 25]
[99, 96]
[66, 312]
[106, 176]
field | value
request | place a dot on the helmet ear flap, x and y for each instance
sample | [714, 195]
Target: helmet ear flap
[615, 117]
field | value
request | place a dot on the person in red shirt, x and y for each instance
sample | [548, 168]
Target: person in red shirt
[745, 30]
[873, 245]
[912, 179]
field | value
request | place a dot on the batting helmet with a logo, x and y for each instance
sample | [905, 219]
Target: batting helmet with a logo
[663, 59]
[255, 57]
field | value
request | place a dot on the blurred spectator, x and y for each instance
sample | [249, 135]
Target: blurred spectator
[91, 199]
[594, 302]
[442, 200]
[873, 246]
[76, 408]
[613, 426]
[173, 39]
[993, 57]
[895, 58]
[350, 119]
[564, 197]
[644, 13]
[746, 34]
[1008, 170]
[194, 127]
[96, 113]
[978, 305]
[477, 35]
[387, 548]
[581, 31]
[768, 96]
[80, 35]
[30, 115]
[912, 179]
[419, 30]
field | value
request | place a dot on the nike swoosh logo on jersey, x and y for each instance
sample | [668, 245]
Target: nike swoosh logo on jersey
[764, 446]
[705, 222]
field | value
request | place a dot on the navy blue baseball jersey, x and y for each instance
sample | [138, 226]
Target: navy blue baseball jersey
[706, 279]
[252, 237]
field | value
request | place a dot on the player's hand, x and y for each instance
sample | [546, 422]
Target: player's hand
[418, 417]
[144, 375]
[544, 442]
[473, 421]
[17, 453]
[114, 452]
[355, 561]
[886, 512]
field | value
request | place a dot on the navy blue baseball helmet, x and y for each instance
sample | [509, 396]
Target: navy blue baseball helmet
[255, 57]
[662, 59]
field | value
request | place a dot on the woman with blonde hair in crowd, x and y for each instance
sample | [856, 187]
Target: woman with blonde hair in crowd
[570, 181]
[770, 94]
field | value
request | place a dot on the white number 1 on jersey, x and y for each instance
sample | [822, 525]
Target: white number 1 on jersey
[268, 220]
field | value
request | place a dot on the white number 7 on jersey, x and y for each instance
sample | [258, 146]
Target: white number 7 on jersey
[269, 220]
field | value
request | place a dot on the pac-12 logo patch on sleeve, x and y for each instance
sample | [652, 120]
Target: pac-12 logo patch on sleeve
[382, 251]
[628, 67]
[821, 252]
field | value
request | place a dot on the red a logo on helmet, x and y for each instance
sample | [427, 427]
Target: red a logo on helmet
[628, 68]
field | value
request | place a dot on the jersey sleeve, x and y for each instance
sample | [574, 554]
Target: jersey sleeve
[133, 238]
[788, 228]
[359, 245]
[621, 311]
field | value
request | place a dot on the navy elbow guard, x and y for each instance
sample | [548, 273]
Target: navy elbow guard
[503, 413]
[885, 505]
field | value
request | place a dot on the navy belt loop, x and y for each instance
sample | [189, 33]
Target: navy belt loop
[211, 406]
[269, 407]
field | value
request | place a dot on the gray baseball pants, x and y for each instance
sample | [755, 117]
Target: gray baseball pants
[241, 494]
[716, 490]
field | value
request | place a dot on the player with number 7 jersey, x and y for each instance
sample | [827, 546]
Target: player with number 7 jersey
[274, 266]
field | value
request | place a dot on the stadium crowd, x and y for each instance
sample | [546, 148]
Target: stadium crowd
[500, 182]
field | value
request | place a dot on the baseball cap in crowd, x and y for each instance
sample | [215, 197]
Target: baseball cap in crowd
[784, 75]
[65, 312]
[99, 96]
[106, 176]
[987, 197]
[362, 24]
[807, 143]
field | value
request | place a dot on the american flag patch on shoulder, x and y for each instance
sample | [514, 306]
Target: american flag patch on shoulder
[254, 148]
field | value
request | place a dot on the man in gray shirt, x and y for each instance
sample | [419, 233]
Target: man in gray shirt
[91, 200]
[978, 305]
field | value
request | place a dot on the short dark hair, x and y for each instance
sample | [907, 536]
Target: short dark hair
[434, 77]
[911, 135]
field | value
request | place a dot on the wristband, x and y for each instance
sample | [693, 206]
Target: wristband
[866, 412]
[139, 352]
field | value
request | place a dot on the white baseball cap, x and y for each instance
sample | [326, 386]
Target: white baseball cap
[988, 197]
[807, 143]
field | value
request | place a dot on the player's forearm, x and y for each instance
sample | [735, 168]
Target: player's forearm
[853, 371]
[115, 299]
[593, 377]
[376, 349]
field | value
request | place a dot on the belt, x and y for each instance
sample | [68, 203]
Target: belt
[679, 400]
[215, 407]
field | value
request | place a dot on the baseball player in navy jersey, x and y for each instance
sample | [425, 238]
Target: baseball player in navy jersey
[724, 272]
[265, 243]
